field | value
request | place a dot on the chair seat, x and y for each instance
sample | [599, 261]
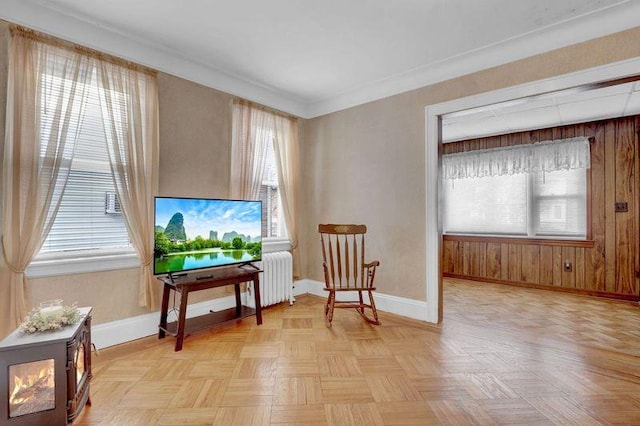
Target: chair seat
[350, 289]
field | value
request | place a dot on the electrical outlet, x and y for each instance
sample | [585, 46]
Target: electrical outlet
[621, 207]
[568, 266]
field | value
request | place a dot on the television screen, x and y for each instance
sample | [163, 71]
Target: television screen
[197, 233]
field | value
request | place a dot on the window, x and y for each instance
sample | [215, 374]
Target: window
[89, 218]
[263, 141]
[559, 201]
[487, 205]
[273, 225]
[537, 190]
[551, 204]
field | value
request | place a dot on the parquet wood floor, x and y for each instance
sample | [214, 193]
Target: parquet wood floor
[503, 355]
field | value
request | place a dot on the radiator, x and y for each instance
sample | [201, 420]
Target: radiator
[276, 280]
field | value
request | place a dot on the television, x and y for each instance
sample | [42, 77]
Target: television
[201, 233]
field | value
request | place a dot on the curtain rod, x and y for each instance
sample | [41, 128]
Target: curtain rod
[20, 31]
[243, 101]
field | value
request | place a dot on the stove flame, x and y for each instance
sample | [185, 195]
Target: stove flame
[31, 381]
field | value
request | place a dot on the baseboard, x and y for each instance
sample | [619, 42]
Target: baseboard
[582, 291]
[122, 331]
[384, 302]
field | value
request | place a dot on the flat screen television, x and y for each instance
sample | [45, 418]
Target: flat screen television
[200, 233]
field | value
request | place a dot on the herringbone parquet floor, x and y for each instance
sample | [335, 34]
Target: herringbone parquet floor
[503, 355]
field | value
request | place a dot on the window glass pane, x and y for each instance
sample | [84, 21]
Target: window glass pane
[273, 222]
[560, 203]
[487, 205]
[87, 218]
[82, 222]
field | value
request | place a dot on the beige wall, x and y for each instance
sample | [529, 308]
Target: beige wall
[195, 139]
[366, 164]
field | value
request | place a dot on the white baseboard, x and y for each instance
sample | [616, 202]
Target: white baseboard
[121, 331]
[126, 330]
[384, 302]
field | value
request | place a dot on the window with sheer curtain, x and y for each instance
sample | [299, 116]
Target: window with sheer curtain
[273, 225]
[79, 123]
[264, 165]
[256, 168]
[529, 191]
[89, 218]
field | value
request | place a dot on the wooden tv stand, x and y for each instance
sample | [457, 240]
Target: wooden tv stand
[200, 281]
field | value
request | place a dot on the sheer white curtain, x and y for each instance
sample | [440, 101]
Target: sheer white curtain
[549, 156]
[254, 129]
[130, 114]
[251, 135]
[39, 142]
[286, 150]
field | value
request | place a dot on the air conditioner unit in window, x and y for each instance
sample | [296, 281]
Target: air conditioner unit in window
[111, 203]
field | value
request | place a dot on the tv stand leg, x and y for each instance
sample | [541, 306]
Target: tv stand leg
[184, 295]
[238, 301]
[163, 311]
[256, 292]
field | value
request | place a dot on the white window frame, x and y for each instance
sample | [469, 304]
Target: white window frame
[72, 262]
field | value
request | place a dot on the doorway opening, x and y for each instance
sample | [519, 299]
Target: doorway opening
[594, 94]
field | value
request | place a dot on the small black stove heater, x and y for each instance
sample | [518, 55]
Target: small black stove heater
[45, 376]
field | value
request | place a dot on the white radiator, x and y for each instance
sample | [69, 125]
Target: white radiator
[276, 282]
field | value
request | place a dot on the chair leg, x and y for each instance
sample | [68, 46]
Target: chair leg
[373, 308]
[361, 302]
[326, 305]
[330, 306]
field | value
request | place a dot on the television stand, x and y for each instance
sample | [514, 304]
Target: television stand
[173, 275]
[244, 265]
[186, 284]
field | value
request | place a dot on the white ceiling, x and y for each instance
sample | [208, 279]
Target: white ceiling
[548, 110]
[313, 57]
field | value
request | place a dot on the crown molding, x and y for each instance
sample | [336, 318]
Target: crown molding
[95, 36]
[600, 23]
[616, 18]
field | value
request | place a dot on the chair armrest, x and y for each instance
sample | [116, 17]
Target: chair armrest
[371, 271]
[325, 268]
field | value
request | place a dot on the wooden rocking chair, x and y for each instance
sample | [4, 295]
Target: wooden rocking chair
[345, 269]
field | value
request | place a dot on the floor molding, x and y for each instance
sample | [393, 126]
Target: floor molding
[402, 306]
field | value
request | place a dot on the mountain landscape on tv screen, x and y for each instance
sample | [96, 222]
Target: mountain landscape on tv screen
[176, 248]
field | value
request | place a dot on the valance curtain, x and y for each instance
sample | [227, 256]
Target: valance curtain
[549, 156]
[39, 143]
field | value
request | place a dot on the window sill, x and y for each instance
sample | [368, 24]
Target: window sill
[521, 240]
[272, 245]
[55, 265]
[64, 264]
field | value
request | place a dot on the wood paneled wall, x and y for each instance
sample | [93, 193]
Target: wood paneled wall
[606, 264]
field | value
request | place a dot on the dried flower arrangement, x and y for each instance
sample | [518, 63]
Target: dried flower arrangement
[40, 319]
